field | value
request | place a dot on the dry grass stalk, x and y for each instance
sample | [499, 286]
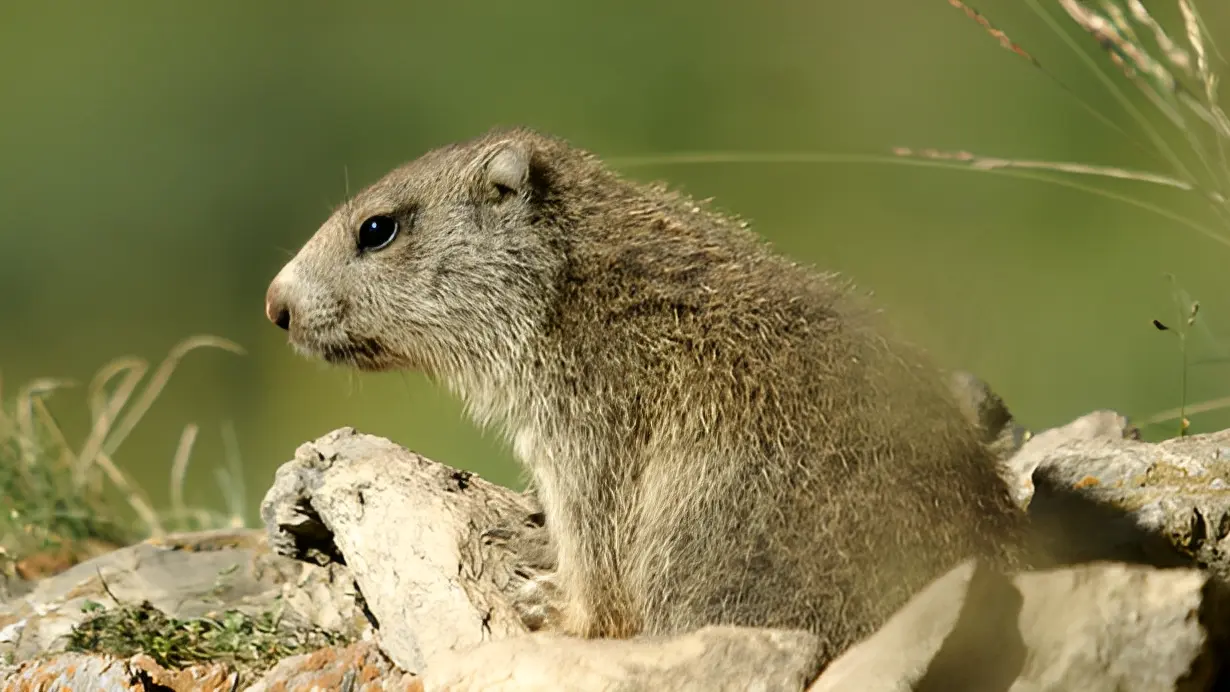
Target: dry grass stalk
[132, 493]
[1165, 90]
[68, 485]
[159, 380]
[1115, 33]
[994, 31]
[1127, 54]
[104, 409]
[1176, 55]
[1114, 28]
[989, 163]
[1007, 43]
[230, 477]
[179, 467]
[28, 440]
[1197, 36]
[1218, 404]
[1133, 60]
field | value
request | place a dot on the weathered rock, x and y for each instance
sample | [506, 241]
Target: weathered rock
[78, 671]
[1096, 492]
[1099, 431]
[434, 550]
[184, 576]
[961, 631]
[1116, 627]
[1105, 627]
[711, 659]
[360, 667]
[440, 556]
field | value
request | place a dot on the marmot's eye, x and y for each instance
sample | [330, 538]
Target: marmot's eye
[377, 232]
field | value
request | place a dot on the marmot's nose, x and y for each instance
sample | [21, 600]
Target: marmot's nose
[276, 307]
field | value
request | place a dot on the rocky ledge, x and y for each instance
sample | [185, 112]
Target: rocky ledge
[379, 569]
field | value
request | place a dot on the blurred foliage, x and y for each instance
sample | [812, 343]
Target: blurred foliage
[67, 499]
[161, 160]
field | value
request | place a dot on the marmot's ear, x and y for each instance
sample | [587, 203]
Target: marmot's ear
[508, 168]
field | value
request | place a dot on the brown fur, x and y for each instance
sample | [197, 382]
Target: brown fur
[717, 434]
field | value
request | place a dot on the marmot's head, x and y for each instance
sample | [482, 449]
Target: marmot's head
[446, 265]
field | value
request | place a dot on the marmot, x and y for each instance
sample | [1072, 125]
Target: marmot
[717, 434]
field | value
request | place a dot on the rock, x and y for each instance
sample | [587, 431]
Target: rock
[1099, 628]
[78, 671]
[360, 667]
[1116, 627]
[364, 537]
[1098, 431]
[355, 668]
[961, 630]
[184, 576]
[440, 555]
[711, 659]
[1096, 492]
[434, 550]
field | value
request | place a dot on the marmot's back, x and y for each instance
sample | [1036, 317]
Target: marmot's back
[801, 466]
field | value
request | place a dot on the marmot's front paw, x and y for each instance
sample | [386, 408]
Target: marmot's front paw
[538, 603]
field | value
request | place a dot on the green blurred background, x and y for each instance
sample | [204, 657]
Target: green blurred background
[159, 161]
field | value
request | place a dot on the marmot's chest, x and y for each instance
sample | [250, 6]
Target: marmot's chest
[528, 447]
